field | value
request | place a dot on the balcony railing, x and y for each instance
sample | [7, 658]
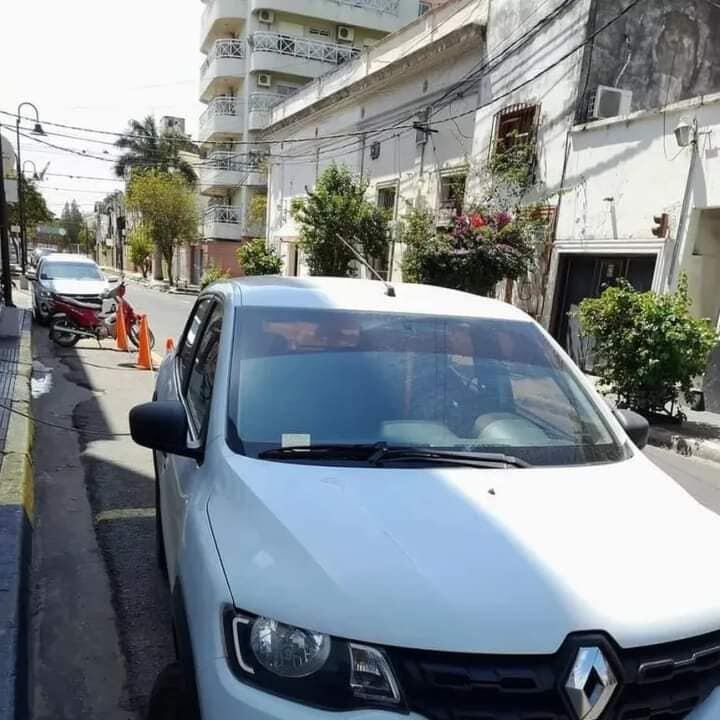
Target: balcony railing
[383, 6]
[224, 48]
[226, 106]
[303, 48]
[228, 214]
[265, 101]
[234, 161]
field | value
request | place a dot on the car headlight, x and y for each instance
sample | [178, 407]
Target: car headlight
[45, 293]
[310, 667]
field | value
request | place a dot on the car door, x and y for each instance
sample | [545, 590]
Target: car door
[193, 379]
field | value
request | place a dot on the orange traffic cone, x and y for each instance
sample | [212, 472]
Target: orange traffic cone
[144, 361]
[121, 338]
[169, 346]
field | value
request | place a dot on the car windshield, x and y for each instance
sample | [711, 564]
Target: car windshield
[70, 271]
[309, 377]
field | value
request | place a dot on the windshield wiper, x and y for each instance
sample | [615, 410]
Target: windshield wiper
[446, 457]
[337, 451]
[380, 453]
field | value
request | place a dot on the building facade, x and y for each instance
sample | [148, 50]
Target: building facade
[597, 88]
[258, 53]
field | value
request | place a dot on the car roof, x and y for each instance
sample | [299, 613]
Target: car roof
[363, 296]
[67, 257]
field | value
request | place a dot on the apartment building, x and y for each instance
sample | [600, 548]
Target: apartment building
[257, 53]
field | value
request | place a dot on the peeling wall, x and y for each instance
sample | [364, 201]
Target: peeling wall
[672, 47]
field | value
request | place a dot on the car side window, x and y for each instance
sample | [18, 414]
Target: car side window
[202, 373]
[192, 331]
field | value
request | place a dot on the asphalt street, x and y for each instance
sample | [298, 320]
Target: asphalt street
[100, 607]
[166, 312]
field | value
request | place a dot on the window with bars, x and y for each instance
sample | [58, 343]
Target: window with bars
[452, 192]
[516, 125]
[386, 199]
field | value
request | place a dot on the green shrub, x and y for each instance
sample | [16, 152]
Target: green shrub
[141, 247]
[648, 347]
[256, 258]
[212, 274]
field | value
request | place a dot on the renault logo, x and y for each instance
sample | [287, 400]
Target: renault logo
[591, 683]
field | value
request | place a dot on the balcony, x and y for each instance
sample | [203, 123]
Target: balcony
[259, 107]
[382, 15]
[270, 51]
[226, 222]
[221, 17]
[223, 118]
[225, 62]
[227, 169]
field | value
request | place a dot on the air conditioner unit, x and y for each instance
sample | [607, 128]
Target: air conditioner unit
[266, 16]
[345, 33]
[609, 102]
[264, 80]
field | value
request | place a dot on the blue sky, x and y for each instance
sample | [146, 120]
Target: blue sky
[96, 63]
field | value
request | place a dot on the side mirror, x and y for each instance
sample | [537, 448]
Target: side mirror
[30, 274]
[112, 280]
[162, 426]
[636, 426]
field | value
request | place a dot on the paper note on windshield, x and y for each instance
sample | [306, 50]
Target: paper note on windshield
[295, 440]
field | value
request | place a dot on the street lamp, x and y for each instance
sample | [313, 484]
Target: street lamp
[37, 130]
[35, 175]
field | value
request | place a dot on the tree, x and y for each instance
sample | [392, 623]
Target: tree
[87, 239]
[35, 207]
[72, 220]
[256, 258]
[212, 274]
[141, 247]
[338, 208]
[147, 148]
[168, 209]
[647, 347]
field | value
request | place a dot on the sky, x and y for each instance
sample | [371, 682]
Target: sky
[95, 64]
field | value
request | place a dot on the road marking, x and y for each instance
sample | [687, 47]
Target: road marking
[124, 514]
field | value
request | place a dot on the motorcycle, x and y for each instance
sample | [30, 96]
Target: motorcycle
[74, 319]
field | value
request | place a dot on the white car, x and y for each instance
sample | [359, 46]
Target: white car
[376, 506]
[74, 276]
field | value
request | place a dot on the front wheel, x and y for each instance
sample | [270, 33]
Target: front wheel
[170, 698]
[134, 335]
[62, 333]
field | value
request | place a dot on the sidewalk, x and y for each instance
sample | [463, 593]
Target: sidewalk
[698, 436]
[159, 285]
[16, 508]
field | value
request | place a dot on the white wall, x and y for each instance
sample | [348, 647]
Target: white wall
[622, 172]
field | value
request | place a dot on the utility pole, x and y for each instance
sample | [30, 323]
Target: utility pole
[5, 241]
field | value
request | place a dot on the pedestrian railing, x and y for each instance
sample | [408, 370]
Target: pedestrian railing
[235, 161]
[383, 6]
[303, 48]
[228, 214]
[224, 48]
[265, 101]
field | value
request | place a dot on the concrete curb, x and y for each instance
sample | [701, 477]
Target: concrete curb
[684, 445]
[16, 509]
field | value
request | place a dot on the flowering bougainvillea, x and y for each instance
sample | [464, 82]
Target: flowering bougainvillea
[480, 249]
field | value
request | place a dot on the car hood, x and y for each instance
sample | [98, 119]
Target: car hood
[467, 560]
[75, 287]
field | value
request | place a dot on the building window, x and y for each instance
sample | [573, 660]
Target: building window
[514, 126]
[452, 192]
[386, 199]
[319, 32]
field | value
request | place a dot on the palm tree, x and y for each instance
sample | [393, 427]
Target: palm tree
[146, 147]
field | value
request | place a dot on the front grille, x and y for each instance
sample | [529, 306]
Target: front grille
[659, 682]
[88, 299]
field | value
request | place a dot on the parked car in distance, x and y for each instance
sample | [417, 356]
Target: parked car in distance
[74, 276]
[414, 502]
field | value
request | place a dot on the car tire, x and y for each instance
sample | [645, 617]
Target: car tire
[170, 698]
